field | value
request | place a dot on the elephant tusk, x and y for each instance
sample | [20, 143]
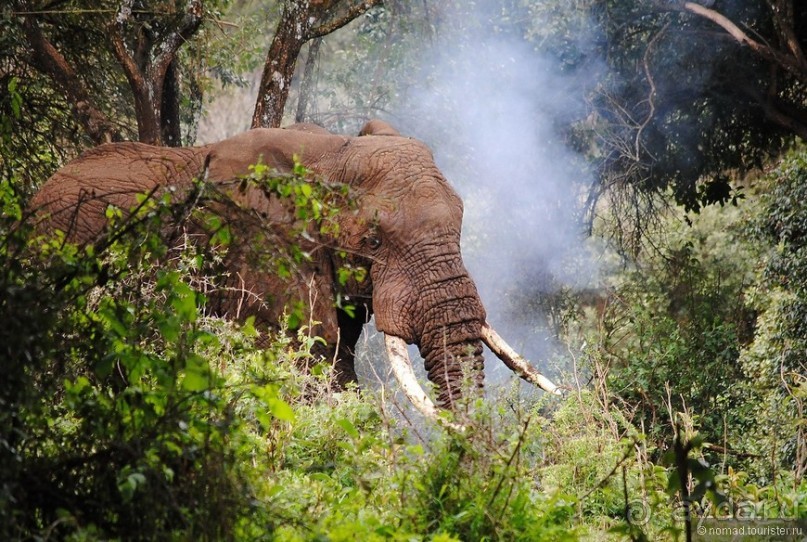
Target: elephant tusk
[405, 375]
[515, 362]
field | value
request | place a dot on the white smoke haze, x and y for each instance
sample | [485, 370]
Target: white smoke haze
[487, 107]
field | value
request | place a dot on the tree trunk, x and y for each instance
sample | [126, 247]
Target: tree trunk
[307, 84]
[146, 95]
[279, 67]
[169, 108]
[301, 21]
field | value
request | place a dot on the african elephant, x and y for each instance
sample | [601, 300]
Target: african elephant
[404, 229]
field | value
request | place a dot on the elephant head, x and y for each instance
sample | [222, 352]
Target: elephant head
[404, 229]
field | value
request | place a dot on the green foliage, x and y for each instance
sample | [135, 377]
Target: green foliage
[132, 412]
[81, 77]
[676, 316]
[317, 207]
[697, 346]
[348, 473]
[776, 358]
[315, 201]
[479, 488]
[26, 154]
[783, 225]
[127, 410]
[114, 420]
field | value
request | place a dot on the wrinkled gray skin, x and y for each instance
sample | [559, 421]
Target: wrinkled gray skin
[405, 231]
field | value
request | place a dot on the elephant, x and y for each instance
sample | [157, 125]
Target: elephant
[403, 228]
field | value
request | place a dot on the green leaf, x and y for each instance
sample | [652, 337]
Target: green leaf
[169, 328]
[349, 428]
[223, 236]
[195, 381]
[673, 483]
[128, 485]
[105, 366]
[197, 374]
[184, 302]
[280, 409]
[350, 310]
[248, 328]
[296, 316]
[267, 394]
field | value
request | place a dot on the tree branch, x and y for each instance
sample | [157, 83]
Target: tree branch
[147, 70]
[148, 130]
[784, 120]
[49, 61]
[126, 59]
[170, 44]
[332, 25]
[795, 65]
[295, 28]
[783, 18]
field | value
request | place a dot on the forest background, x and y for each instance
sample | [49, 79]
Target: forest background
[635, 184]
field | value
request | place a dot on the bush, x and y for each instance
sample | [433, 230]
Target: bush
[117, 417]
[671, 331]
[775, 360]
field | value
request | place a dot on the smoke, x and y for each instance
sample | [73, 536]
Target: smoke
[489, 106]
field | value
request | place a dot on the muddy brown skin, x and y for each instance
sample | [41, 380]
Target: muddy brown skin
[405, 231]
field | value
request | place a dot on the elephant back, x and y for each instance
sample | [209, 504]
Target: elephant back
[75, 199]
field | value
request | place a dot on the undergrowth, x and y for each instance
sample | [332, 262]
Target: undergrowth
[127, 412]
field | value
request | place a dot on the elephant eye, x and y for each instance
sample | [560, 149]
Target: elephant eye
[373, 242]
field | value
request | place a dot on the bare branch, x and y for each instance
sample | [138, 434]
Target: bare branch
[651, 96]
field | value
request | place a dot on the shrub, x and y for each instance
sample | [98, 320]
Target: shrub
[775, 361]
[675, 321]
[117, 418]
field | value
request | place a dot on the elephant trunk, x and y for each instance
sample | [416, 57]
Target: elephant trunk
[453, 366]
[451, 339]
[402, 369]
[449, 327]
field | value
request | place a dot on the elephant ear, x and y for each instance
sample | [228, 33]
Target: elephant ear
[379, 128]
